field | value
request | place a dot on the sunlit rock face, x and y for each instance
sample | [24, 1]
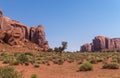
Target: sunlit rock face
[13, 33]
[37, 35]
[86, 47]
[101, 43]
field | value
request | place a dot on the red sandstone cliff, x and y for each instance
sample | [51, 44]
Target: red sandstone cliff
[13, 33]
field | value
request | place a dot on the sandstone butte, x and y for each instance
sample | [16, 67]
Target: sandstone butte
[15, 36]
[102, 44]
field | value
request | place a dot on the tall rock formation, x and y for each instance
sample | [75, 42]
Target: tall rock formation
[101, 43]
[13, 33]
[37, 35]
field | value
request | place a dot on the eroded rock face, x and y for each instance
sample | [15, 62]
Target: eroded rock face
[101, 43]
[86, 47]
[13, 33]
[37, 35]
[116, 45]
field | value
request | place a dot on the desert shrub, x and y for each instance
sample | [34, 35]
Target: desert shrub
[23, 58]
[36, 65]
[10, 60]
[29, 53]
[100, 59]
[3, 54]
[59, 61]
[118, 59]
[34, 76]
[6, 60]
[111, 66]
[93, 61]
[50, 50]
[15, 54]
[39, 61]
[9, 72]
[86, 66]
[38, 58]
[70, 60]
[14, 62]
[114, 60]
[55, 56]
[54, 61]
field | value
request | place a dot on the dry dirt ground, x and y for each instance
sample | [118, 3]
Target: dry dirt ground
[67, 70]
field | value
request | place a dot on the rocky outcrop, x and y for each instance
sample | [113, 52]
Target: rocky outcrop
[101, 43]
[37, 35]
[13, 33]
[86, 47]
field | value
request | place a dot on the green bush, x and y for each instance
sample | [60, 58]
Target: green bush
[100, 59]
[14, 62]
[114, 60]
[111, 66]
[9, 72]
[59, 61]
[23, 58]
[3, 54]
[86, 66]
[34, 76]
[6, 61]
[36, 65]
[29, 53]
[39, 61]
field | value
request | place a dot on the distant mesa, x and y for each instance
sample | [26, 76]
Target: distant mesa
[14, 33]
[102, 43]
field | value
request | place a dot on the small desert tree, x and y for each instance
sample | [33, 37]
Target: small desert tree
[57, 49]
[64, 46]
[61, 48]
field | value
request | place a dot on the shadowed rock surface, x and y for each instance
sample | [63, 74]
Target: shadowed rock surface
[14, 33]
[101, 43]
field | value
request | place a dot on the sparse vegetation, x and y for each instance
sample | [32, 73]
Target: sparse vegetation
[109, 60]
[61, 48]
[64, 46]
[23, 58]
[86, 66]
[36, 65]
[111, 66]
[34, 76]
[9, 72]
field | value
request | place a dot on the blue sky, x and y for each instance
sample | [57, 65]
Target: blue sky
[74, 21]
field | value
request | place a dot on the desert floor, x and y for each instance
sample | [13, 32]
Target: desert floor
[67, 70]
